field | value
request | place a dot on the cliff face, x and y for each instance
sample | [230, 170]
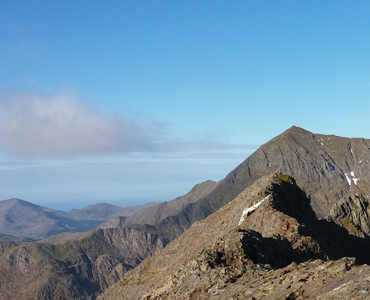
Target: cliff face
[78, 269]
[267, 243]
[352, 213]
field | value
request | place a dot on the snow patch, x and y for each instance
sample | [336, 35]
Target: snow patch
[348, 180]
[353, 178]
[249, 210]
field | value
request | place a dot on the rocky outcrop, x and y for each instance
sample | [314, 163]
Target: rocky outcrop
[267, 243]
[352, 213]
[5, 246]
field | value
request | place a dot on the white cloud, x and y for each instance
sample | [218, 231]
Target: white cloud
[32, 124]
[35, 125]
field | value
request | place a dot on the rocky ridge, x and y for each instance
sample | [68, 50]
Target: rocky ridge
[352, 213]
[267, 243]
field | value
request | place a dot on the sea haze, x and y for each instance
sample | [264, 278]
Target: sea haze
[68, 184]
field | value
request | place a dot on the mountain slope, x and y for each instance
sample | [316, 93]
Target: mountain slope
[159, 212]
[268, 227]
[103, 211]
[21, 218]
[327, 167]
[78, 269]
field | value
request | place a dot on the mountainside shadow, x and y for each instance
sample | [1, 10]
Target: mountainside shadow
[277, 253]
[334, 240]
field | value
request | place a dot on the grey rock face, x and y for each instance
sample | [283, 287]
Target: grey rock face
[352, 213]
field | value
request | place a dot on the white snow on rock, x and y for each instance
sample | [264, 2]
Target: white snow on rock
[353, 178]
[348, 179]
[249, 210]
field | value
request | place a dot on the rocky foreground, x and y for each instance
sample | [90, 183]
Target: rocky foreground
[265, 244]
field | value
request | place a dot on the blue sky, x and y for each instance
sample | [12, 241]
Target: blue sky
[128, 102]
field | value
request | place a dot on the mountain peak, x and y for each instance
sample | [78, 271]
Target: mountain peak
[4, 204]
[296, 129]
[295, 133]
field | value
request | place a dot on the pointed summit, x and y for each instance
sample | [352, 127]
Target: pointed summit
[297, 130]
[325, 166]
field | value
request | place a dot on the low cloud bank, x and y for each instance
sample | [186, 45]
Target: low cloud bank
[32, 124]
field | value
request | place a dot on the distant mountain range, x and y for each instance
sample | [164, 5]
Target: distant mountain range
[26, 221]
[331, 179]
